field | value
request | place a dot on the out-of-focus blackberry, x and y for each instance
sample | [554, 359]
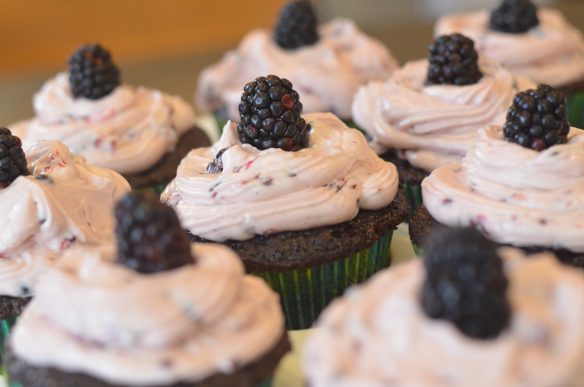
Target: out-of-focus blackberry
[270, 112]
[538, 119]
[12, 158]
[514, 17]
[92, 74]
[453, 60]
[149, 236]
[216, 166]
[465, 283]
[297, 25]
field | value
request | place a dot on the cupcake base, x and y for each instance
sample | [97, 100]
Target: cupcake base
[157, 177]
[410, 177]
[423, 225]
[10, 309]
[258, 374]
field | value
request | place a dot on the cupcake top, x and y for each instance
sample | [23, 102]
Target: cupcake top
[539, 44]
[519, 189]
[290, 173]
[481, 322]
[111, 124]
[430, 112]
[57, 201]
[148, 312]
[326, 65]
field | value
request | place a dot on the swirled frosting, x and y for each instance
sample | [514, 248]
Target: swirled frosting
[378, 335]
[264, 192]
[551, 53]
[434, 125]
[128, 131]
[103, 319]
[514, 194]
[63, 202]
[326, 74]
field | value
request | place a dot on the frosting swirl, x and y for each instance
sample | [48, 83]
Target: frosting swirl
[434, 125]
[103, 319]
[264, 192]
[326, 74]
[63, 202]
[551, 53]
[128, 131]
[514, 194]
[378, 335]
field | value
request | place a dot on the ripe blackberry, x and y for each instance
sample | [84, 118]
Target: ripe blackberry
[465, 283]
[149, 236]
[297, 26]
[538, 119]
[453, 60]
[92, 74]
[270, 115]
[12, 158]
[514, 17]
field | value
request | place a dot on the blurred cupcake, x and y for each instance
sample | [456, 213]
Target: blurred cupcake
[326, 63]
[138, 132]
[156, 311]
[538, 43]
[54, 202]
[522, 184]
[303, 200]
[428, 113]
[467, 315]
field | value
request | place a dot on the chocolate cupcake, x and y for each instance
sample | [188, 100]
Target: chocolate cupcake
[153, 311]
[427, 113]
[303, 200]
[521, 184]
[50, 200]
[141, 133]
[327, 63]
[468, 314]
[537, 43]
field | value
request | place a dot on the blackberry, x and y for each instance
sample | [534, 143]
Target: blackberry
[514, 17]
[537, 119]
[216, 166]
[149, 236]
[465, 283]
[92, 74]
[270, 115]
[453, 60]
[12, 158]
[297, 26]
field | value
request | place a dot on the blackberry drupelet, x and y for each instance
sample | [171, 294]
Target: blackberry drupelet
[514, 17]
[538, 119]
[149, 236]
[92, 74]
[453, 60]
[270, 112]
[297, 26]
[12, 158]
[465, 283]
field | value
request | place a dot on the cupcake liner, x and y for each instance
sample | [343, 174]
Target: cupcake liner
[304, 293]
[5, 328]
[413, 195]
[576, 109]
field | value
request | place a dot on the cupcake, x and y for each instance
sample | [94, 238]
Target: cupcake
[466, 315]
[522, 184]
[326, 63]
[538, 43]
[303, 200]
[154, 310]
[428, 113]
[141, 133]
[50, 200]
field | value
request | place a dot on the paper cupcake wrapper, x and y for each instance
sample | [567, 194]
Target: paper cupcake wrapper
[413, 194]
[5, 328]
[304, 293]
[576, 109]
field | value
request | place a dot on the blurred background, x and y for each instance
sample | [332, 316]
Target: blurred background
[165, 44]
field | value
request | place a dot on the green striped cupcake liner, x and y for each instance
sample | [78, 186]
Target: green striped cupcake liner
[576, 110]
[413, 194]
[304, 293]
